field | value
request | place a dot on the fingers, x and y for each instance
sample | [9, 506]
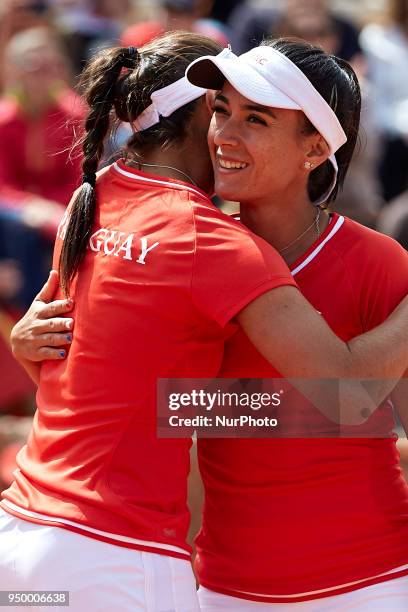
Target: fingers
[56, 308]
[44, 326]
[51, 340]
[46, 346]
[47, 352]
[46, 293]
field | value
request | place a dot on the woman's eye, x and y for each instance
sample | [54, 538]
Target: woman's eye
[219, 109]
[255, 119]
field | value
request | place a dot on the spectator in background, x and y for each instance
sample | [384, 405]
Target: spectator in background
[311, 20]
[15, 386]
[221, 9]
[386, 49]
[360, 198]
[37, 174]
[10, 279]
[90, 25]
[187, 15]
[402, 235]
[192, 16]
[393, 219]
[19, 15]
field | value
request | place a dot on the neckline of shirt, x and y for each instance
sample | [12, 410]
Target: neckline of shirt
[133, 174]
[335, 223]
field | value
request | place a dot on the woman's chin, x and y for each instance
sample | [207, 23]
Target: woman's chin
[227, 192]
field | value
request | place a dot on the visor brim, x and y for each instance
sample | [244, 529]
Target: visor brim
[212, 72]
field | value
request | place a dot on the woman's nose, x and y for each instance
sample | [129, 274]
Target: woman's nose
[226, 134]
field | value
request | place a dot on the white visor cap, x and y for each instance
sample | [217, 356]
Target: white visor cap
[267, 77]
[167, 100]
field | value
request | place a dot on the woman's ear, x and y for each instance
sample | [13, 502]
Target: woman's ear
[316, 149]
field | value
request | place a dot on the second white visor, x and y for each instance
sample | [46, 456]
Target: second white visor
[167, 100]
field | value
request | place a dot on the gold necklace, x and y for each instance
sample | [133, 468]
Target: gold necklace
[169, 168]
[314, 224]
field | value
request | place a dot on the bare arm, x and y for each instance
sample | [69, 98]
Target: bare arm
[42, 332]
[290, 334]
[293, 337]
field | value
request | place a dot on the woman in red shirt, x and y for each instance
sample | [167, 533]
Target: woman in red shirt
[319, 520]
[94, 419]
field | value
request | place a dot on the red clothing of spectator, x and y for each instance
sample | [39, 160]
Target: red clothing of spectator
[14, 382]
[35, 151]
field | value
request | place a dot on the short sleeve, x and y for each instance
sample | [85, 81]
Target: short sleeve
[231, 266]
[384, 280]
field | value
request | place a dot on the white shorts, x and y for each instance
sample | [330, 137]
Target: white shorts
[100, 577]
[390, 596]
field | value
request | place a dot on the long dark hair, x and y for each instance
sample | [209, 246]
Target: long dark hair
[117, 85]
[337, 83]
[399, 13]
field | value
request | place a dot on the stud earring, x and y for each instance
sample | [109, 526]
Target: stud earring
[308, 165]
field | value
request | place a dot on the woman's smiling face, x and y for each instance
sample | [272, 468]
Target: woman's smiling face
[256, 151]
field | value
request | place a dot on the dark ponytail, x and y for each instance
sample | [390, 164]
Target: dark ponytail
[127, 94]
[98, 82]
[338, 84]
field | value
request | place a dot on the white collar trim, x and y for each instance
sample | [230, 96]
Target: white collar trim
[147, 179]
[319, 247]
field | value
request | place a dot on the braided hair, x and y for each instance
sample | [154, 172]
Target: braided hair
[117, 85]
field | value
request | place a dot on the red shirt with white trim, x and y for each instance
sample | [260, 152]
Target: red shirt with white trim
[287, 520]
[164, 274]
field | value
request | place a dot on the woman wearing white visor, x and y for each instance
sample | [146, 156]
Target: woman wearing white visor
[309, 524]
[93, 464]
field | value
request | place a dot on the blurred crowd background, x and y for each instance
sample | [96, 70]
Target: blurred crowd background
[44, 45]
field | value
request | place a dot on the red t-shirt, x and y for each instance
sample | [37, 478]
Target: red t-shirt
[287, 520]
[164, 274]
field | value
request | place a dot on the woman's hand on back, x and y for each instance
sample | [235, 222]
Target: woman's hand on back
[43, 332]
